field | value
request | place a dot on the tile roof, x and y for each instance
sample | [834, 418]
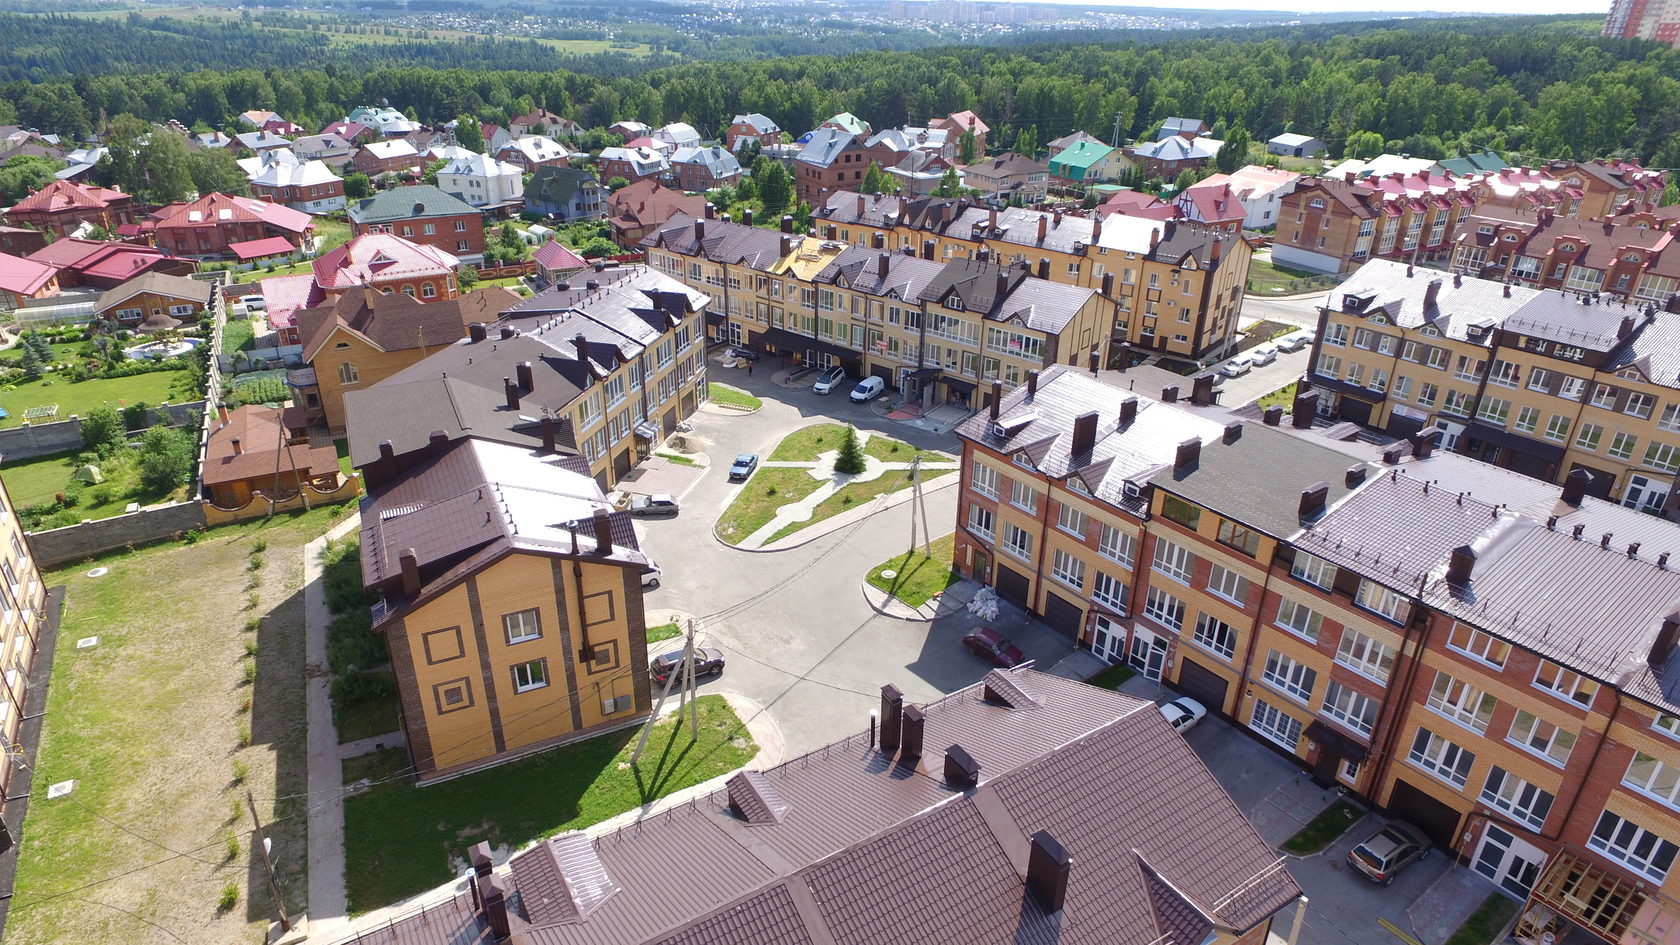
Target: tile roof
[1178, 148]
[177, 287]
[59, 196]
[1136, 203]
[263, 450]
[553, 256]
[966, 119]
[645, 203]
[396, 322]
[379, 257]
[1007, 295]
[414, 202]
[215, 209]
[536, 148]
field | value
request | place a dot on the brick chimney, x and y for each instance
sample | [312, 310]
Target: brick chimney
[1575, 486]
[1305, 407]
[892, 718]
[882, 263]
[1460, 565]
[1043, 227]
[746, 217]
[602, 520]
[1048, 868]
[1431, 293]
[512, 391]
[238, 447]
[547, 426]
[1188, 455]
[1272, 416]
[996, 400]
[711, 214]
[862, 203]
[1313, 499]
[495, 906]
[409, 561]
[787, 223]
[1032, 384]
[1043, 268]
[700, 226]
[911, 733]
[1128, 411]
[527, 377]
[1084, 433]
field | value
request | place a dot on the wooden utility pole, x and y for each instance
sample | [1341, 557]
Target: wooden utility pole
[268, 864]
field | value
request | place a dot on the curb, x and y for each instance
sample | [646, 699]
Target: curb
[732, 409]
[871, 592]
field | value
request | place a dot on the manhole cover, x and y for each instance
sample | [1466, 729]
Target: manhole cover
[86, 642]
[99, 572]
[888, 573]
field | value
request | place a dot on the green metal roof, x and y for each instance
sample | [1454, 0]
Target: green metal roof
[409, 203]
[1480, 162]
[1082, 155]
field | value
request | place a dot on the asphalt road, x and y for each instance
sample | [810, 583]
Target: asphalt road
[796, 632]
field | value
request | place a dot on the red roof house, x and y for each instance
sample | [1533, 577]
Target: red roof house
[390, 263]
[635, 211]
[208, 225]
[61, 207]
[553, 260]
[22, 279]
[104, 265]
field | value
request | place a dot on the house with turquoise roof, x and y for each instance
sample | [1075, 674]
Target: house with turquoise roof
[1086, 162]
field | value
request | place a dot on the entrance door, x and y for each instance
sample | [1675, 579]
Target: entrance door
[1512, 863]
[734, 333]
[1061, 616]
[981, 567]
[1108, 639]
[1149, 653]
[1450, 433]
[1646, 494]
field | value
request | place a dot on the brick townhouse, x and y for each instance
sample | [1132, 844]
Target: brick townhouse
[60, 207]
[1542, 381]
[1480, 653]
[24, 605]
[206, 226]
[831, 160]
[1626, 256]
[1177, 287]
[424, 214]
[940, 330]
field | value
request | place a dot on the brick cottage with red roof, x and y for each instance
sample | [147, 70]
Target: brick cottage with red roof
[61, 207]
[206, 226]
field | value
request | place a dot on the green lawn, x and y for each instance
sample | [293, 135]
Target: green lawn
[918, 576]
[1112, 677]
[401, 839]
[1263, 331]
[150, 722]
[376, 765]
[1486, 922]
[888, 450]
[806, 443]
[755, 505]
[1282, 397]
[732, 397]
[38, 481]
[342, 447]
[80, 397]
[359, 720]
[62, 352]
[665, 631]
[854, 495]
[1267, 278]
[238, 335]
[1323, 830]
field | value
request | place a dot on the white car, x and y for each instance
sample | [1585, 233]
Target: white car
[1183, 713]
[829, 380]
[868, 389]
[1236, 367]
[254, 303]
[1265, 354]
[650, 577]
[1295, 340]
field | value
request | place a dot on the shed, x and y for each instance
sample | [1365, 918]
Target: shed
[1292, 145]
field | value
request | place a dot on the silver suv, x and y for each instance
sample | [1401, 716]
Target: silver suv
[1391, 849]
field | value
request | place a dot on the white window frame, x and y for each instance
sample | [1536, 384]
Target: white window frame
[1164, 609]
[1313, 570]
[1215, 636]
[1227, 584]
[1173, 560]
[1117, 545]
[516, 628]
[1068, 569]
[1441, 757]
[1289, 676]
[1022, 549]
[531, 680]
[1540, 737]
[1633, 845]
[1299, 619]
[1458, 701]
[1275, 725]
[1349, 708]
[1526, 803]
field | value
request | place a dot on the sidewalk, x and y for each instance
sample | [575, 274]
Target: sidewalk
[328, 906]
[949, 601]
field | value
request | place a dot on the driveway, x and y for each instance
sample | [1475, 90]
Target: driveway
[795, 630]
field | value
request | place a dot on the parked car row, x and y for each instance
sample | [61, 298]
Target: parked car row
[1265, 354]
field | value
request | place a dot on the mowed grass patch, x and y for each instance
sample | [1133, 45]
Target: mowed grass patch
[805, 444]
[1489, 919]
[732, 397]
[917, 576]
[755, 505]
[888, 450]
[1323, 830]
[400, 839]
[855, 495]
[80, 397]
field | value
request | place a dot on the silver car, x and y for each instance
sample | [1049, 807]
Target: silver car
[1391, 849]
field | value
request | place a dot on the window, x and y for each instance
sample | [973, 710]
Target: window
[1174, 561]
[1662, 456]
[1228, 584]
[1315, 571]
[1528, 418]
[1573, 388]
[1350, 707]
[1654, 778]
[1558, 428]
[1478, 646]
[1621, 445]
[984, 480]
[1517, 797]
[1116, 545]
[1670, 418]
[347, 373]
[1215, 636]
[1180, 511]
[521, 626]
[1494, 410]
[529, 676]
[1329, 365]
[1604, 396]
[1023, 497]
[1336, 334]
[1288, 676]
[1403, 388]
[1539, 379]
[1636, 847]
[1239, 537]
[1070, 520]
[981, 521]
[1164, 609]
[1275, 724]
[1457, 403]
[1541, 737]
[1588, 436]
[1467, 368]
[1299, 619]
[1109, 591]
[1639, 405]
[428, 290]
[1504, 374]
[1383, 601]
[1564, 683]
[1441, 758]
[1428, 394]
[1667, 724]
[1365, 655]
[1017, 542]
[1068, 569]
[1461, 702]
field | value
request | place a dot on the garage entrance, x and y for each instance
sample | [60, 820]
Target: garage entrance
[1062, 616]
[1013, 587]
[1433, 817]
[1203, 684]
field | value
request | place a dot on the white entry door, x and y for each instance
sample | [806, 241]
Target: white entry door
[1512, 863]
[1450, 433]
[1646, 494]
[1108, 640]
[1149, 653]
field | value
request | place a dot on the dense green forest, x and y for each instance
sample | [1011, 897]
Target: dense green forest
[1536, 86]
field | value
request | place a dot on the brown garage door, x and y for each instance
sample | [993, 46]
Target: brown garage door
[1203, 685]
[1063, 617]
[1433, 817]
[1012, 587]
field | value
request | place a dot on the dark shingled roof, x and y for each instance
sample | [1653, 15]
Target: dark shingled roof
[873, 851]
[1258, 478]
[413, 202]
[397, 322]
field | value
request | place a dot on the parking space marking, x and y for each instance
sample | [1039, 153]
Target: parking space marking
[1397, 933]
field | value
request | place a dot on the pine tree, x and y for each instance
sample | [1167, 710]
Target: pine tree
[850, 460]
[949, 186]
[1026, 141]
[31, 362]
[876, 181]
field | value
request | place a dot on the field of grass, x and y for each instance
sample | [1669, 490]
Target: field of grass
[163, 735]
[38, 481]
[732, 397]
[853, 495]
[1323, 830]
[663, 632]
[238, 334]
[1112, 676]
[805, 444]
[400, 839]
[755, 505]
[888, 450]
[1268, 278]
[82, 396]
[1486, 922]
[917, 576]
[62, 352]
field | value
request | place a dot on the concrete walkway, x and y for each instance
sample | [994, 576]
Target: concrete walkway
[328, 905]
[1447, 903]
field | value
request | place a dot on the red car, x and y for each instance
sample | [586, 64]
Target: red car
[994, 646]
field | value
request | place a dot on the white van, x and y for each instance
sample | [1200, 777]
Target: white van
[868, 389]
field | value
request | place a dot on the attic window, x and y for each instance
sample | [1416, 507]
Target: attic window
[1630, 374]
[1567, 247]
[1076, 484]
[1631, 257]
[1485, 230]
[1024, 461]
[1378, 320]
[1430, 331]
[954, 302]
[1317, 203]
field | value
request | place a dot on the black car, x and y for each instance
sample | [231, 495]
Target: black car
[707, 662]
[743, 466]
[743, 354]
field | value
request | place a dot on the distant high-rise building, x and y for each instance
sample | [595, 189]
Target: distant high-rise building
[1645, 19]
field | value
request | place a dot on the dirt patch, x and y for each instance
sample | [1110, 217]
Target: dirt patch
[1261, 332]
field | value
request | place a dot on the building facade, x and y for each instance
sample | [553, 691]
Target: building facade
[23, 615]
[426, 215]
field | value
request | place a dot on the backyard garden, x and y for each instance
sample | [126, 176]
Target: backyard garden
[118, 465]
[53, 373]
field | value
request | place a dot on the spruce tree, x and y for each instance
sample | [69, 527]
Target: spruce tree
[850, 460]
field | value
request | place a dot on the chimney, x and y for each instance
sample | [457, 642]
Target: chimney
[787, 223]
[512, 391]
[1575, 486]
[910, 734]
[1048, 866]
[882, 263]
[1128, 411]
[991, 220]
[1305, 406]
[1084, 433]
[1002, 283]
[387, 452]
[1096, 232]
[603, 532]
[1355, 475]
[1168, 228]
[711, 214]
[1424, 442]
[1273, 415]
[1201, 389]
[508, 331]
[527, 377]
[548, 435]
[1460, 565]
[495, 907]
[862, 202]
[1043, 268]
[1169, 395]
[410, 563]
[1458, 281]
[1431, 293]
[479, 856]
[1625, 328]
[1095, 360]
[995, 400]
[1032, 384]
[1188, 455]
[437, 442]
[1507, 288]
[1215, 248]
[787, 245]
[1662, 561]
[478, 331]
[1233, 432]
[1663, 645]
[927, 249]
[222, 412]
[961, 770]
[1575, 533]
[700, 225]
[1108, 284]
[1393, 454]
[1043, 227]
[1313, 499]
[892, 718]
[878, 240]
[582, 345]
[1604, 540]
[238, 447]
[1633, 550]
[746, 217]
[1058, 222]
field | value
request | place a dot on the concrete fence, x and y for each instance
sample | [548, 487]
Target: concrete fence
[73, 542]
[32, 440]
